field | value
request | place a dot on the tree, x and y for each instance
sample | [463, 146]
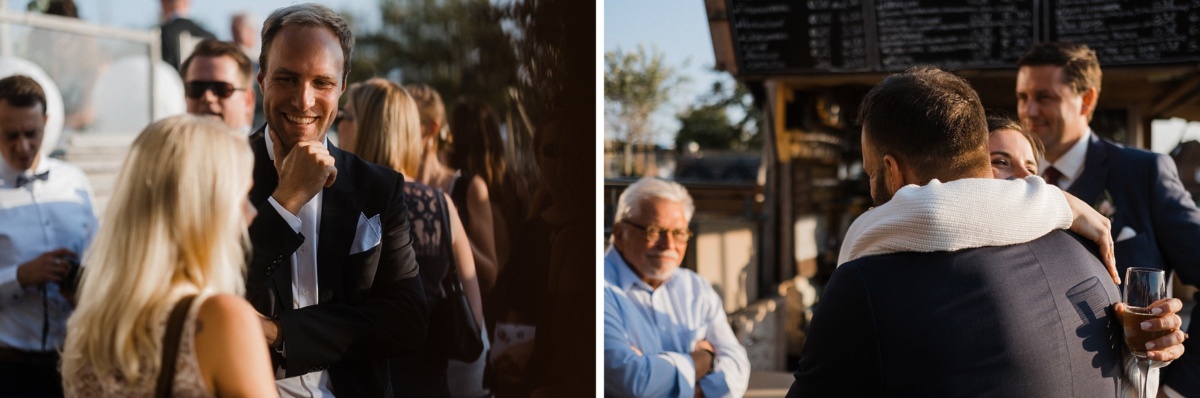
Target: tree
[707, 123]
[635, 85]
[456, 46]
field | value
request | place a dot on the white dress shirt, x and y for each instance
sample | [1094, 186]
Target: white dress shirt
[42, 215]
[304, 282]
[1071, 163]
[665, 324]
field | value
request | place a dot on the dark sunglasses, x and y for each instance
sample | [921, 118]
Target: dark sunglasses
[196, 89]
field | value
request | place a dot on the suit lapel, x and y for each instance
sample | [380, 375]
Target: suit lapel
[339, 219]
[1090, 185]
[265, 181]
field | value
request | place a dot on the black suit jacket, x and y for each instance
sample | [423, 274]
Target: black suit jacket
[1027, 320]
[371, 304]
[170, 33]
[1149, 199]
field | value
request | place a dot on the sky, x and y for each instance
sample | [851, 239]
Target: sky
[214, 15]
[677, 28]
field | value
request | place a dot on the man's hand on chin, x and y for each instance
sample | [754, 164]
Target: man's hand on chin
[303, 172]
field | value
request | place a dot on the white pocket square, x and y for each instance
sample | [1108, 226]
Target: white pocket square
[367, 235]
[1126, 234]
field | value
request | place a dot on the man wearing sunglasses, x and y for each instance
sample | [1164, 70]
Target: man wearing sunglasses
[217, 81]
[665, 331]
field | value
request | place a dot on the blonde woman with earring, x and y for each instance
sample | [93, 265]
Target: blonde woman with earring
[469, 192]
[382, 125]
[175, 230]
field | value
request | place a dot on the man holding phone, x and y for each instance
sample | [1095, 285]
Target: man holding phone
[46, 222]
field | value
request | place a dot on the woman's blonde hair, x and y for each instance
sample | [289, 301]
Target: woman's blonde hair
[389, 128]
[430, 105]
[174, 224]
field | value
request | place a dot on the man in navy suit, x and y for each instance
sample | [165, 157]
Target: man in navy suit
[1155, 222]
[333, 269]
[1029, 319]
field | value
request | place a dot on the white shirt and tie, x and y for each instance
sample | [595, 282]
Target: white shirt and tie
[1070, 165]
[304, 282]
[41, 210]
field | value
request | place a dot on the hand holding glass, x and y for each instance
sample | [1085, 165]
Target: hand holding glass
[1143, 286]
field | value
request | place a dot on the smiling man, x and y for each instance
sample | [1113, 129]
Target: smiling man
[217, 81]
[333, 270]
[665, 331]
[1155, 222]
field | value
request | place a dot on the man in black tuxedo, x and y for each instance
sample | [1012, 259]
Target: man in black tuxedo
[1031, 319]
[333, 269]
[178, 33]
[1155, 222]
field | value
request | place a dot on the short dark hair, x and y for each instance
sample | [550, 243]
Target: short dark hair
[1081, 68]
[214, 48]
[930, 119]
[310, 15]
[22, 92]
[1000, 120]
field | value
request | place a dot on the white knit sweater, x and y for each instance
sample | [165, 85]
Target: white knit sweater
[966, 214]
[957, 215]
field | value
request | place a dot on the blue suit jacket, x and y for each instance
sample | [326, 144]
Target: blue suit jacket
[1149, 199]
[1027, 320]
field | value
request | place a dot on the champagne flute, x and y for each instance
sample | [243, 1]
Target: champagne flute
[1143, 286]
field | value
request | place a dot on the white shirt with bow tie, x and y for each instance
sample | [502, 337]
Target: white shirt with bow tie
[51, 209]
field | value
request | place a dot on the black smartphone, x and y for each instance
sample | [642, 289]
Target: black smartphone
[71, 281]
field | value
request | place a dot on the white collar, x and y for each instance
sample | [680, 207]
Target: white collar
[9, 175]
[1071, 162]
[623, 275]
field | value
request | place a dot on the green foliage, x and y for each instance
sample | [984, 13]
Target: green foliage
[708, 125]
[456, 46]
[635, 85]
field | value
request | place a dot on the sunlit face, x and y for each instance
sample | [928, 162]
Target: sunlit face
[21, 132]
[654, 261]
[237, 111]
[1048, 106]
[1012, 154]
[347, 128]
[301, 83]
[873, 166]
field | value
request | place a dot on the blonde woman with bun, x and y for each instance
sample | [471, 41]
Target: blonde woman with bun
[469, 192]
[175, 227]
[382, 125]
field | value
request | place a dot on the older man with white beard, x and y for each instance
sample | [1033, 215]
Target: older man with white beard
[665, 331]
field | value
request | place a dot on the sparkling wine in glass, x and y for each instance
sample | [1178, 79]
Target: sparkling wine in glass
[1143, 286]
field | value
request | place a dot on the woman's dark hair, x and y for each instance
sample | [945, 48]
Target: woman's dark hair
[1000, 120]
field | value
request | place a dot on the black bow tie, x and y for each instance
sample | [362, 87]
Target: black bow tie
[22, 180]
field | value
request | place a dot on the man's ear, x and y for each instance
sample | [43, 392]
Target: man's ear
[1089, 101]
[894, 173]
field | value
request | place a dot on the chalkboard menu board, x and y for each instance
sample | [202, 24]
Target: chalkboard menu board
[852, 36]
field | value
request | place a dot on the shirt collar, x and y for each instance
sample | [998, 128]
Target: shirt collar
[8, 176]
[1071, 163]
[618, 272]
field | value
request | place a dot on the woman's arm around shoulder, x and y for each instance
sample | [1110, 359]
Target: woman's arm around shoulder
[231, 349]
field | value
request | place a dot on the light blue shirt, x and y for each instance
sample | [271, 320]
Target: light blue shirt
[665, 324]
[41, 216]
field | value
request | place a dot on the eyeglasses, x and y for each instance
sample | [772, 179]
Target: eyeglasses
[653, 232]
[196, 89]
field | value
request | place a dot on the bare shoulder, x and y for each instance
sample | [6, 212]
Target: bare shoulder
[226, 311]
[478, 189]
